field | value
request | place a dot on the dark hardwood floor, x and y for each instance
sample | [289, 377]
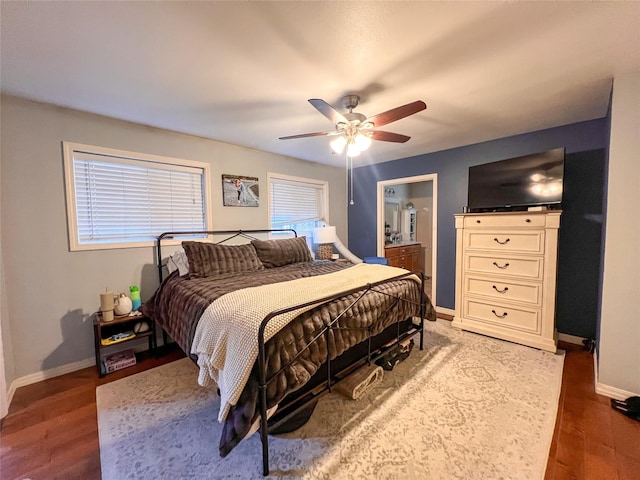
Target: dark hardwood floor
[591, 440]
[51, 431]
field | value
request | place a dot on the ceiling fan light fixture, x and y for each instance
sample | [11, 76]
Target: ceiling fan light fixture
[362, 141]
[354, 132]
[352, 149]
[338, 144]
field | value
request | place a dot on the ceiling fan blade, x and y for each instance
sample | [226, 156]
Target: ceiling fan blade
[397, 113]
[314, 134]
[328, 111]
[388, 136]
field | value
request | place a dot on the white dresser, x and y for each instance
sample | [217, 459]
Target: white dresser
[506, 266]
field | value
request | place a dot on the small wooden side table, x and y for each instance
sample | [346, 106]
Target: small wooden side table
[103, 330]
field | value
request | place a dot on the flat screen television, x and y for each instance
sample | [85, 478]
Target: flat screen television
[517, 183]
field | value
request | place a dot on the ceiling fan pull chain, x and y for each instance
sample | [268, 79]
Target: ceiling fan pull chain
[346, 174]
[350, 179]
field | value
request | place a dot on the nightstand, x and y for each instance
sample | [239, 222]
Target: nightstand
[119, 325]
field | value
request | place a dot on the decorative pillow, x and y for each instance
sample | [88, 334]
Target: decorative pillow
[276, 253]
[208, 259]
[178, 261]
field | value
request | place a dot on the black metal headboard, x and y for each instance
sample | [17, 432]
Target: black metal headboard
[248, 234]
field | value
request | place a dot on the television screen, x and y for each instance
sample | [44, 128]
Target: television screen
[517, 183]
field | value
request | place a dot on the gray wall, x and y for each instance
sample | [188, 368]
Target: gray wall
[50, 291]
[6, 355]
[619, 342]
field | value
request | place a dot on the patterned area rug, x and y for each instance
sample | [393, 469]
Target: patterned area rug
[466, 407]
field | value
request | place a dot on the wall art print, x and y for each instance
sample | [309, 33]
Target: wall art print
[240, 191]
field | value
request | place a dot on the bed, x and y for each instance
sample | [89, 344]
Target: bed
[275, 329]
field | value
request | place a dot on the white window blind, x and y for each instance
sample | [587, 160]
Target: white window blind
[120, 200]
[297, 203]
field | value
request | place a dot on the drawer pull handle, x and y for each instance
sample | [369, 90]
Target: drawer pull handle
[528, 220]
[478, 221]
[502, 243]
[504, 290]
[499, 316]
[501, 266]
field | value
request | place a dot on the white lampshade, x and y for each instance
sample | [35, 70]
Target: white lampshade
[352, 150]
[338, 144]
[362, 142]
[324, 234]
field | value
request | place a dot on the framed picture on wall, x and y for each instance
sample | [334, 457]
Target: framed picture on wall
[240, 191]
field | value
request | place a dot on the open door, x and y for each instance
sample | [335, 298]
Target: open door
[414, 200]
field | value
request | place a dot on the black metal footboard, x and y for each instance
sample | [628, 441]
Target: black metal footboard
[331, 377]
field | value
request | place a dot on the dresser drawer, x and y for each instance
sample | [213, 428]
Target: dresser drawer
[527, 267]
[404, 256]
[504, 221]
[402, 250]
[517, 242]
[528, 292]
[398, 261]
[513, 317]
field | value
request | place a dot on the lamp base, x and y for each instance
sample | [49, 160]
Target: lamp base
[325, 251]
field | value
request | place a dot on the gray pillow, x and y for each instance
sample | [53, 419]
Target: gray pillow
[208, 259]
[276, 253]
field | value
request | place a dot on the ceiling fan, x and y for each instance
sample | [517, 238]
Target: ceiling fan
[354, 131]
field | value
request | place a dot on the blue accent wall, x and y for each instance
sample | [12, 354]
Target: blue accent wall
[452, 166]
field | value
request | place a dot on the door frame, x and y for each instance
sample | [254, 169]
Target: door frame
[431, 177]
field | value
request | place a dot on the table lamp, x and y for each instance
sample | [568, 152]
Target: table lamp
[324, 237]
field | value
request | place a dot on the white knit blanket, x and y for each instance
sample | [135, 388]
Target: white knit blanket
[226, 338]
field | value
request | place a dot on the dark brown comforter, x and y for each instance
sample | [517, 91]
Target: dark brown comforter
[180, 302]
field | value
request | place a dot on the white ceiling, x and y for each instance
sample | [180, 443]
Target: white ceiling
[241, 72]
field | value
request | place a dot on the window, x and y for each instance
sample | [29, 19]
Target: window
[119, 199]
[298, 203]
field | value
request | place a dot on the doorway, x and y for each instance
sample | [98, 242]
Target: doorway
[416, 198]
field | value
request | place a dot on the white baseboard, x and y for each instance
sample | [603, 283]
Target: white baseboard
[565, 337]
[613, 392]
[11, 393]
[61, 370]
[46, 374]
[52, 372]
[607, 390]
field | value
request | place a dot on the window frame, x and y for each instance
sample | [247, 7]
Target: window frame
[322, 184]
[70, 191]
